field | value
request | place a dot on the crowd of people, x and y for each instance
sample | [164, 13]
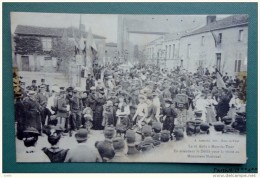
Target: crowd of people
[146, 101]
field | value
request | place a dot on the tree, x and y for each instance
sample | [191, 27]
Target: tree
[64, 50]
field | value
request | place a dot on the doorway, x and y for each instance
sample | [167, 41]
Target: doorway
[218, 64]
[25, 63]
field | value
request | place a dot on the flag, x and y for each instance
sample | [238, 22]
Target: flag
[90, 40]
[220, 81]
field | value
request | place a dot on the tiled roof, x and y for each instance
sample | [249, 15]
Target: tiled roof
[53, 32]
[227, 22]
[111, 44]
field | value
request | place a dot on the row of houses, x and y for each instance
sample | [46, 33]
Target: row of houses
[221, 44]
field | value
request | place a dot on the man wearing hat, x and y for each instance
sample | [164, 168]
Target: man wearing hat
[75, 108]
[89, 83]
[31, 154]
[100, 100]
[165, 136]
[119, 146]
[105, 148]
[131, 139]
[55, 153]
[42, 99]
[32, 111]
[157, 127]
[43, 84]
[62, 109]
[169, 114]
[82, 152]
[33, 86]
[223, 105]
[147, 142]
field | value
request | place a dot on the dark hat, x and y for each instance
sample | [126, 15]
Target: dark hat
[42, 80]
[130, 136]
[165, 135]
[62, 89]
[118, 143]
[31, 130]
[105, 150]
[147, 130]
[69, 89]
[168, 100]
[147, 144]
[82, 134]
[157, 125]
[33, 81]
[109, 132]
[198, 113]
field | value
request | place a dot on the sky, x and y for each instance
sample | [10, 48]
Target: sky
[106, 24]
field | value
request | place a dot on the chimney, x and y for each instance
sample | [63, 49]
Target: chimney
[211, 19]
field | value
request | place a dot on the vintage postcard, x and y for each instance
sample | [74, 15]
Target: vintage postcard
[130, 88]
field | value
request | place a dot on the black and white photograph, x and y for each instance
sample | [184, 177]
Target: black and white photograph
[129, 88]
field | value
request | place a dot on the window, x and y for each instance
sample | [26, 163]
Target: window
[220, 38]
[200, 63]
[241, 33]
[202, 40]
[237, 65]
[173, 50]
[170, 51]
[188, 50]
[47, 58]
[166, 51]
[181, 63]
[218, 56]
[46, 44]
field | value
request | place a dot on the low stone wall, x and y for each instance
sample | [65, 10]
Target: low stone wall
[50, 78]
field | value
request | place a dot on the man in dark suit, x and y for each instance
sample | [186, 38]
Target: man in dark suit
[105, 148]
[82, 152]
[42, 99]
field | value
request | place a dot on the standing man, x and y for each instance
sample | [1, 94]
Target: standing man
[62, 112]
[43, 84]
[82, 152]
[33, 87]
[89, 83]
[32, 111]
[42, 99]
[75, 108]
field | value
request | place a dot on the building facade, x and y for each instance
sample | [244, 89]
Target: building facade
[111, 53]
[221, 44]
[42, 49]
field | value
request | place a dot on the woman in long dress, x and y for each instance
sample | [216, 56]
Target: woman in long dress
[211, 113]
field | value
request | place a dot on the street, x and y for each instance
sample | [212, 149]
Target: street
[172, 151]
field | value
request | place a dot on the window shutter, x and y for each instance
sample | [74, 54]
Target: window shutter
[239, 66]
[235, 65]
